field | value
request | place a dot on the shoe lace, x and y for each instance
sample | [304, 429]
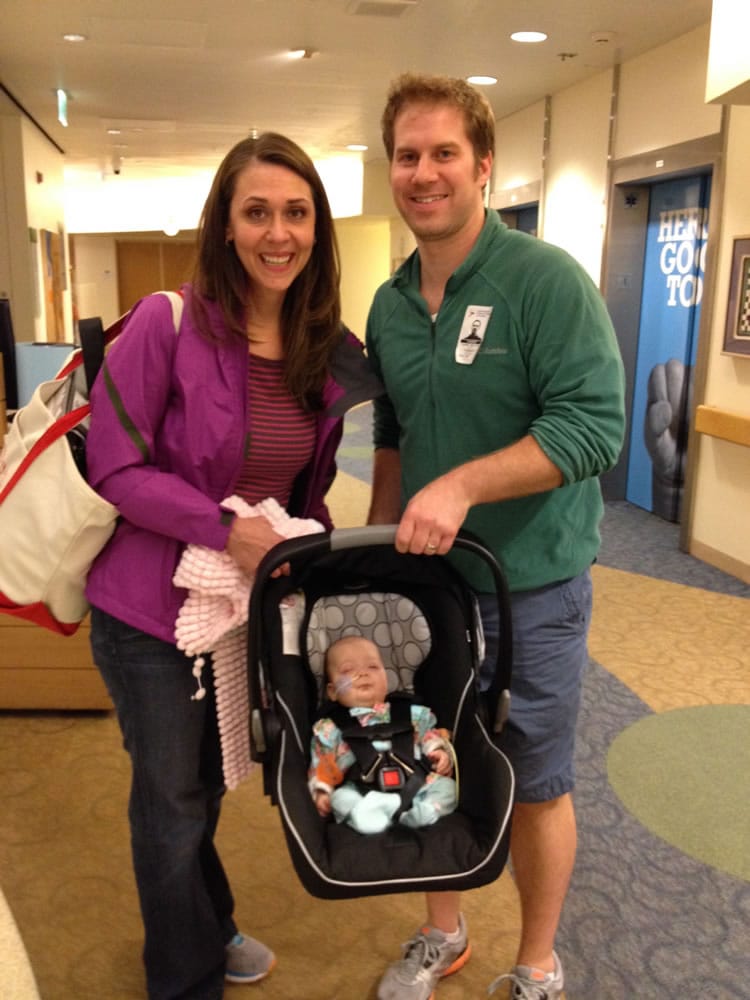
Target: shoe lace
[419, 953]
[522, 988]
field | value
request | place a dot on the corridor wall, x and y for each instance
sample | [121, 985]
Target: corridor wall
[31, 172]
[661, 125]
[720, 527]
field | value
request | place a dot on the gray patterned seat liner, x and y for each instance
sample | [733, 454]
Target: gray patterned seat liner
[393, 622]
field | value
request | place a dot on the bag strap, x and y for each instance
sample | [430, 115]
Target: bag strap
[54, 432]
[91, 335]
[91, 329]
[67, 421]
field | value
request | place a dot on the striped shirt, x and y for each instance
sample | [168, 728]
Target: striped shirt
[281, 435]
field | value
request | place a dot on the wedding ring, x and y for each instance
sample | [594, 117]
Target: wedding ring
[429, 547]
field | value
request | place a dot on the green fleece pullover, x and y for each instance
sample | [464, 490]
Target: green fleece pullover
[548, 365]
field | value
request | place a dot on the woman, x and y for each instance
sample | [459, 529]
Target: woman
[247, 398]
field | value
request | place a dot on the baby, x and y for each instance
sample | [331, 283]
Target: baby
[357, 680]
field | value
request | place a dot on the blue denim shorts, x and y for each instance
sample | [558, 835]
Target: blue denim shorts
[550, 630]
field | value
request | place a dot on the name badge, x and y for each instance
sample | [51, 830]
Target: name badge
[471, 335]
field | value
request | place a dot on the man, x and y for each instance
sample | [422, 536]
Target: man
[504, 404]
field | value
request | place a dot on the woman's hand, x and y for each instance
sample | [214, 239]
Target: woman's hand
[249, 540]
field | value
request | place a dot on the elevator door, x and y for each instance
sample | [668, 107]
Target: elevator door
[673, 273]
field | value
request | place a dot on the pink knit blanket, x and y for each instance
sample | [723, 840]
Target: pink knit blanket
[212, 620]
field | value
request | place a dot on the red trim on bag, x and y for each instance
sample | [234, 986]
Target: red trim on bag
[37, 614]
[53, 433]
[75, 361]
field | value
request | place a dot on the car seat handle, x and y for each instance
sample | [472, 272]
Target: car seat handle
[371, 534]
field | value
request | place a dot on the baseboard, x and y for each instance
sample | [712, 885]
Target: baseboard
[722, 561]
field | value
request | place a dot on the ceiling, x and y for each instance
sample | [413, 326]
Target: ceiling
[182, 80]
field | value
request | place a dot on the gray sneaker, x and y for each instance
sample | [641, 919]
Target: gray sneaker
[426, 959]
[532, 984]
[248, 961]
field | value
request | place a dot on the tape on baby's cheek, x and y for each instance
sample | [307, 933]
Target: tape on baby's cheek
[341, 685]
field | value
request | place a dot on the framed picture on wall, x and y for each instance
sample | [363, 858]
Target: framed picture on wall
[737, 332]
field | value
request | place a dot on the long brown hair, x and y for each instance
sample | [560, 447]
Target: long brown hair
[311, 312]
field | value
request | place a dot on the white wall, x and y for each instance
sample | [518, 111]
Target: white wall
[6, 199]
[44, 208]
[661, 100]
[376, 188]
[365, 248]
[660, 103]
[17, 260]
[576, 174]
[519, 144]
[728, 55]
[96, 277]
[377, 200]
[105, 203]
[721, 524]
[31, 173]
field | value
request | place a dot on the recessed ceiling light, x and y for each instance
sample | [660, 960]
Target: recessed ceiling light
[357, 147]
[529, 36]
[302, 53]
[74, 36]
[480, 81]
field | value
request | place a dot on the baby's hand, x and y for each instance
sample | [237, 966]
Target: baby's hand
[441, 762]
[323, 802]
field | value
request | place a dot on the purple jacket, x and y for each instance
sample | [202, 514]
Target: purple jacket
[166, 443]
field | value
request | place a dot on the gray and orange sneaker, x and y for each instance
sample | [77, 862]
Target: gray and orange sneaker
[527, 983]
[426, 959]
[248, 961]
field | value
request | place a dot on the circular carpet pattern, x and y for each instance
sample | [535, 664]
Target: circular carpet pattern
[684, 775]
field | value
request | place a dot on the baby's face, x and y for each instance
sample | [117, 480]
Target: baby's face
[356, 675]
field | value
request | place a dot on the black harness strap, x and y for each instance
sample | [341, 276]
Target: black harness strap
[393, 770]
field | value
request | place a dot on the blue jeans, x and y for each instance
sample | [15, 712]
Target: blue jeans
[550, 632]
[175, 798]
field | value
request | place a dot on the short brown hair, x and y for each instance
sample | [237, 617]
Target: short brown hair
[311, 316]
[419, 88]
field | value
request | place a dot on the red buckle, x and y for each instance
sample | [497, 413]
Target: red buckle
[391, 779]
